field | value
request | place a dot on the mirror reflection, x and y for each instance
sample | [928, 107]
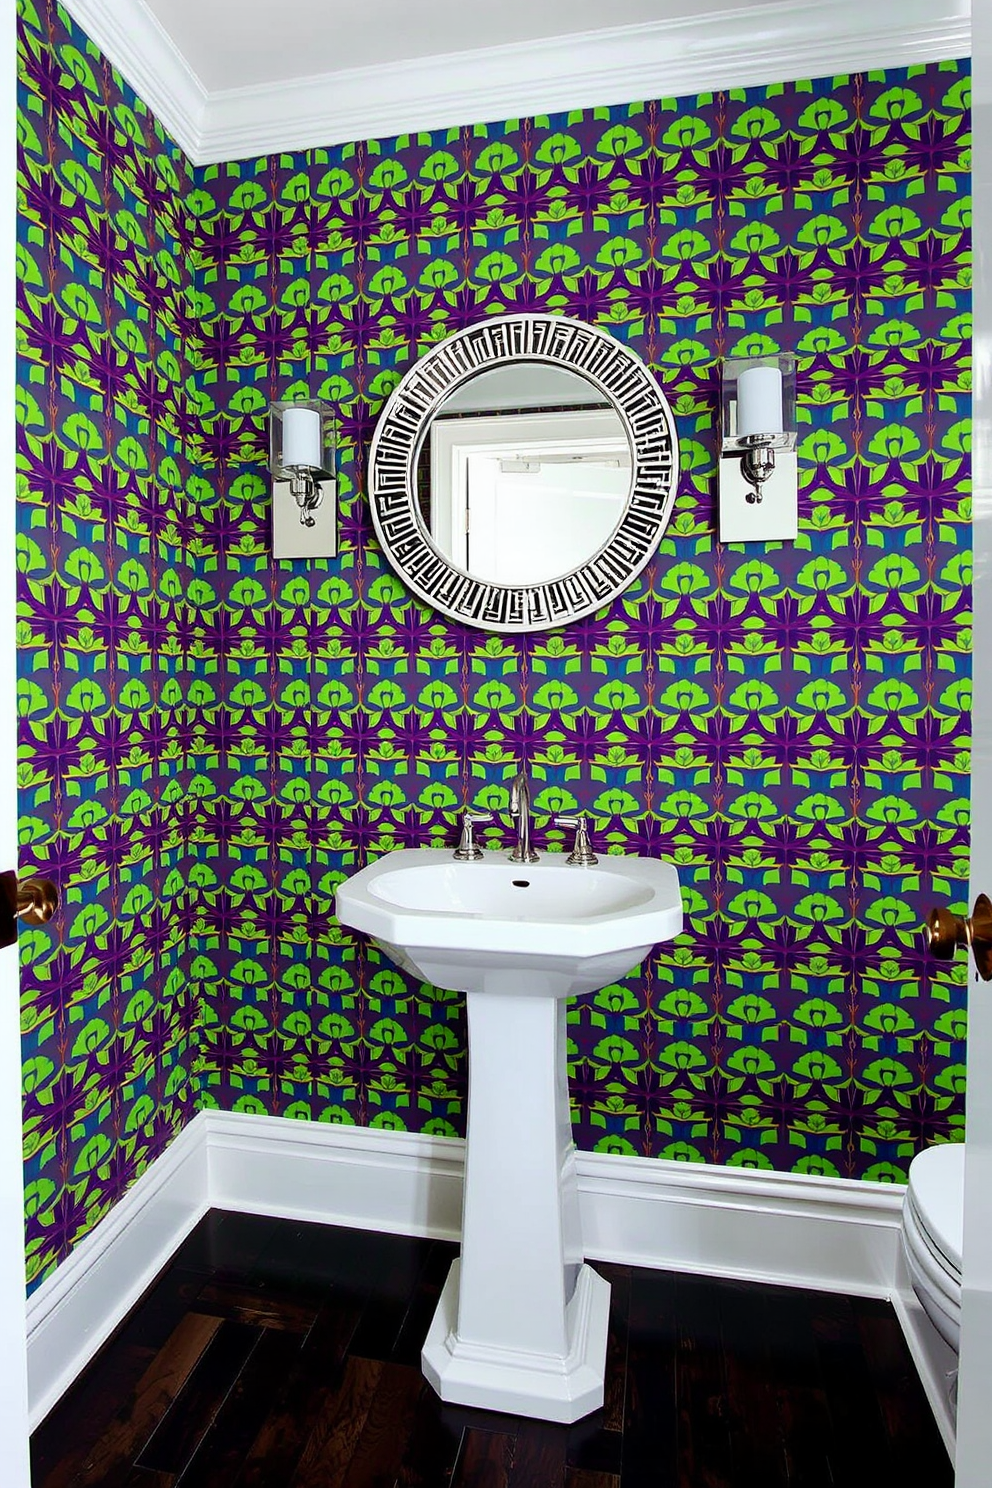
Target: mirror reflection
[523, 474]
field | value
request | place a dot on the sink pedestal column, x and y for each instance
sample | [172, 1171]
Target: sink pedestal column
[521, 1324]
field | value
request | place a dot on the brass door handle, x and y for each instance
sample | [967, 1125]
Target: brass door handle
[31, 900]
[946, 931]
[37, 900]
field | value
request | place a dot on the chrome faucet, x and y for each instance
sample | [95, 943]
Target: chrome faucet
[520, 808]
[468, 850]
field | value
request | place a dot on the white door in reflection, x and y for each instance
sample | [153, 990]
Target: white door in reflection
[526, 498]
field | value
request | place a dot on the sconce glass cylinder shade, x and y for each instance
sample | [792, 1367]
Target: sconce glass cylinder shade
[759, 403]
[759, 414]
[301, 452]
[301, 439]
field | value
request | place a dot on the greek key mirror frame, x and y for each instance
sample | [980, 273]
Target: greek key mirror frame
[647, 420]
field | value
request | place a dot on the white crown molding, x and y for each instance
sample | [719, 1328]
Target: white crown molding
[829, 1234]
[133, 40]
[723, 49]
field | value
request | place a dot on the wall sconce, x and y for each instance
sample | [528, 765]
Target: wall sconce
[758, 462]
[301, 457]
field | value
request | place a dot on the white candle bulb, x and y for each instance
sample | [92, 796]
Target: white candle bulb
[301, 438]
[759, 401]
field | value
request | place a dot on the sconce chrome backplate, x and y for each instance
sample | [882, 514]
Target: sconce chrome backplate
[290, 538]
[775, 518]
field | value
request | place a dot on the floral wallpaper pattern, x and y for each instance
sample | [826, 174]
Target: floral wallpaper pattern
[103, 540]
[213, 739]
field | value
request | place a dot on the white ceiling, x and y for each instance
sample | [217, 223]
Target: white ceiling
[244, 43]
[235, 79]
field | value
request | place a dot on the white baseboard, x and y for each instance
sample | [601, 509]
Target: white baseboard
[935, 1361]
[347, 1175]
[76, 1309]
[829, 1234]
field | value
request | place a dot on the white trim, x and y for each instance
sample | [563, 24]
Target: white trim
[134, 41]
[76, 1309]
[760, 44]
[359, 1176]
[828, 1234]
[935, 1361]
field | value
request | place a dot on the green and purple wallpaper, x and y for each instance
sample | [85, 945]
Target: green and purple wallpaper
[103, 555]
[213, 739]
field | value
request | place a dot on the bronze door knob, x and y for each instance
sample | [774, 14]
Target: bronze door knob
[33, 901]
[37, 900]
[946, 931]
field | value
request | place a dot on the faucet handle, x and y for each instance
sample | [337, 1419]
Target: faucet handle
[582, 852]
[468, 850]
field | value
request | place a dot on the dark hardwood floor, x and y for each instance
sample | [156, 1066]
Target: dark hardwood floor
[279, 1355]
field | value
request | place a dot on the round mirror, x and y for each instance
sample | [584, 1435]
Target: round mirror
[522, 472]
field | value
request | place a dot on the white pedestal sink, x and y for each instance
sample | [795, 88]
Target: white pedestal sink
[521, 1324]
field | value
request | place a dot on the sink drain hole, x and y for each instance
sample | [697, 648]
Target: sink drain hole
[520, 883]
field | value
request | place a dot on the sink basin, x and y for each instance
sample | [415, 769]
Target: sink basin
[465, 926]
[521, 1323]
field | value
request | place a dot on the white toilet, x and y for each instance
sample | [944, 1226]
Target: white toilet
[933, 1235]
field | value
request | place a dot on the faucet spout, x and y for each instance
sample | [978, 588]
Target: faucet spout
[520, 808]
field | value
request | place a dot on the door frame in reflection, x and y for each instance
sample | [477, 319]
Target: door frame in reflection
[563, 437]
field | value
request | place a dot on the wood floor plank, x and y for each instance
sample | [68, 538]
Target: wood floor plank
[463, 1418]
[590, 1448]
[859, 1444]
[577, 1477]
[335, 1435]
[220, 1455]
[227, 1243]
[201, 1398]
[432, 1450]
[756, 1433]
[299, 1398]
[595, 1444]
[409, 1340]
[539, 1455]
[198, 1252]
[915, 1445]
[350, 1261]
[86, 1411]
[650, 1427]
[391, 1282]
[305, 1256]
[112, 1455]
[794, 1365]
[485, 1460]
[704, 1447]
[84, 1418]
[388, 1427]
[615, 1382]
[261, 1309]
